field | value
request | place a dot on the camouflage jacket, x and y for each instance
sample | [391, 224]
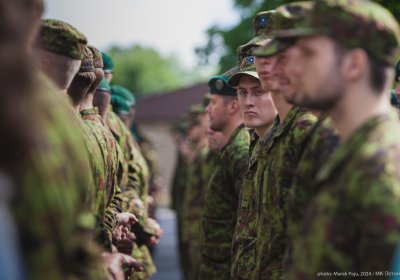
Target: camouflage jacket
[103, 232]
[322, 143]
[193, 202]
[353, 223]
[52, 206]
[221, 201]
[278, 161]
[108, 146]
[136, 188]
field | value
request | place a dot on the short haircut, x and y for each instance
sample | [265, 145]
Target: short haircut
[80, 86]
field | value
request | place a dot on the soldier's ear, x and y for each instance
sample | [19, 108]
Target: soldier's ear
[355, 65]
[234, 106]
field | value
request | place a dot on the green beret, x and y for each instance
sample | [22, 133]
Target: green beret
[104, 86]
[354, 24]
[219, 85]
[124, 93]
[119, 105]
[97, 57]
[108, 65]
[397, 69]
[87, 61]
[61, 38]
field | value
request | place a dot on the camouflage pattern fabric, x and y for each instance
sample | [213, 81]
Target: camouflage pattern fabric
[192, 209]
[368, 21]
[322, 143]
[136, 188]
[109, 149]
[52, 202]
[352, 224]
[98, 168]
[221, 201]
[61, 38]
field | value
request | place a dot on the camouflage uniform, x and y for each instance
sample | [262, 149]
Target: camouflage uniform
[322, 143]
[221, 201]
[51, 205]
[108, 146]
[352, 222]
[136, 188]
[192, 209]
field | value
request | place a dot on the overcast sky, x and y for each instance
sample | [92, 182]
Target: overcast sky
[170, 26]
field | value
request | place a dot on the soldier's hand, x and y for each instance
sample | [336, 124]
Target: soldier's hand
[125, 243]
[155, 239]
[131, 264]
[126, 219]
[113, 264]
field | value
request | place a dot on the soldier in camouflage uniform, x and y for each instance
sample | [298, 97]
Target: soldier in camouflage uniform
[77, 92]
[258, 111]
[61, 45]
[192, 206]
[134, 194]
[221, 198]
[48, 169]
[356, 210]
[317, 148]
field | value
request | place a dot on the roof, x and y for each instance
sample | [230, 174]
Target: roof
[169, 106]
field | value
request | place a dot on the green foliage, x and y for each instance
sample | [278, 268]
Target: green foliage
[222, 43]
[144, 71]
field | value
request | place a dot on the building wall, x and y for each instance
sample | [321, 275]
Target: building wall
[159, 133]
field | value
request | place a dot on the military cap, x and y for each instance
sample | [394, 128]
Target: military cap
[87, 61]
[397, 69]
[296, 14]
[124, 93]
[264, 24]
[354, 24]
[97, 57]
[61, 38]
[104, 86]
[108, 65]
[247, 68]
[219, 85]
[119, 104]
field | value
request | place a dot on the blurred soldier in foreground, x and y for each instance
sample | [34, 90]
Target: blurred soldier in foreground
[357, 208]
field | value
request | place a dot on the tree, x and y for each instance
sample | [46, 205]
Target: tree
[144, 71]
[222, 43]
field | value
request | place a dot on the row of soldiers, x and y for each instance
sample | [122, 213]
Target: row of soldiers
[291, 169]
[74, 181]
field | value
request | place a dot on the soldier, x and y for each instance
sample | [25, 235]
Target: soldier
[347, 77]
[318, 145]
[42, 156]
[108, 66]
[221, 198]
[192, 206]
[134, 194]
[258, 112]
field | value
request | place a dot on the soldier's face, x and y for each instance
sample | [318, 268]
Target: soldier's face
[264, 67]
[256, 104]
[291, 74]
[317, 73]
[216, 140]
[218, 112]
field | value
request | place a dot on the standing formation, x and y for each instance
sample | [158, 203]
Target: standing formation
[307, 183]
